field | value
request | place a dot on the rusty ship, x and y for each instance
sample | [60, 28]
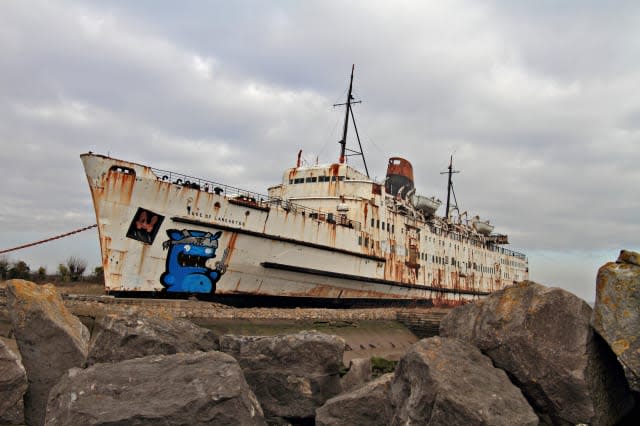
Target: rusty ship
[326, 233]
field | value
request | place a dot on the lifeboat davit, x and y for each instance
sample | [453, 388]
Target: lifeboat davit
[482, 226]
[427, 206]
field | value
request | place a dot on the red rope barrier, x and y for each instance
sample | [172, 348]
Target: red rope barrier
[48, 239]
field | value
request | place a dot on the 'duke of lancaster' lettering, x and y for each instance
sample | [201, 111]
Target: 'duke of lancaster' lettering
[186, 269]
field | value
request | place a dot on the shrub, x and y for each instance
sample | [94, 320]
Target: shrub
[76, 267]
[4, 267]
[20, 269]
[380, 366]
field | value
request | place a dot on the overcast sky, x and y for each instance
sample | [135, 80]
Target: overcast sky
[538, 102]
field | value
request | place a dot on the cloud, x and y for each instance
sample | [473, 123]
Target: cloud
[534, 100]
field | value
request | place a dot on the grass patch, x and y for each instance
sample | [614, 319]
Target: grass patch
[380, 366]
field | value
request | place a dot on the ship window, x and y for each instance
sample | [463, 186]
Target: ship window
[334, 178]
[290, 181]
[359, 240]
[378, 224]
[340, 178]
[383, 226]
[324, 178]
[298, 180]
[311, 179]
[393, 229]
[123, 170]
[366, 241]
[373, 222]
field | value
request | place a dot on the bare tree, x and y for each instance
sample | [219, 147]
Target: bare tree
[76, 267]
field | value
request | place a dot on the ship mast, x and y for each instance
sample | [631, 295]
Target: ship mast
[349, 112]
[450, 187]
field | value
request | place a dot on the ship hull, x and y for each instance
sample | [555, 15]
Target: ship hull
[162, 234]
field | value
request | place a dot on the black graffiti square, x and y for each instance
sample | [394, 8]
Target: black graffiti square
[145, 226]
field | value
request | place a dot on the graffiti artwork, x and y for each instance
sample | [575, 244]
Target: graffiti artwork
[186, 267]
[145, 226]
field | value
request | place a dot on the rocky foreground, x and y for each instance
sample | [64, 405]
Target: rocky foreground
[526, 355]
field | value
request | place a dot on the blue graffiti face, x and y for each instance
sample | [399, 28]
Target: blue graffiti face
[186, 270]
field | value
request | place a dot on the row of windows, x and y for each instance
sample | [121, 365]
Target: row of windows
[511, 263]
[439, 260]
[314, 179]
[375, 223]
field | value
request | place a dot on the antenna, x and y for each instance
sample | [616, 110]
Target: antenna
[349, 112]
[450, 187]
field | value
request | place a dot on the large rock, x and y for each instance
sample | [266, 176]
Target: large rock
[365, 405]
[51, 340]
[13, 385]
[116, 338]
[542, 338]
[183, 389]
[444, 381]
[616, 315]
[359, 373]
[291, 375]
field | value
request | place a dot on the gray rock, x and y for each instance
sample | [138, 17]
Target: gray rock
[368, 404]
[13, 385]
[616, 315]
[116, 337]
[444, 381]
[542, 338]
[201, 388]
[51, 340]
[359, 373]
[291, 375]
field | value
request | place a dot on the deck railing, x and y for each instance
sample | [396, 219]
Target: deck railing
[251, 198]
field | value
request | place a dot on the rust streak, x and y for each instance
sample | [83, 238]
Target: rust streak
[231, 245]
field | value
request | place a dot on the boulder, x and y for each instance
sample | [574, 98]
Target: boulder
[13, 385]
[616, 315]
[291, 375]
[201, 388]
[51, 340]
[359, 373]
[442, 381]
[116, 337]
[365, 405]
[542, 338]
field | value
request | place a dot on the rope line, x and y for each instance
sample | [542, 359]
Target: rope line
[48, 239]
